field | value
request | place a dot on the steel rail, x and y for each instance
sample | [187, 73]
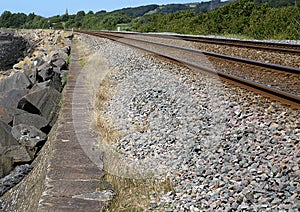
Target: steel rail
[280, 47]
[262, 45]
[291, 98]
[233, 58]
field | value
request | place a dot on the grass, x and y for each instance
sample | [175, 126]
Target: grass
[102, 95]
[131, 194]
[104, 123]
[136, 195]
[68, 59]
[64, 78]
[108, 133]
[82, 61]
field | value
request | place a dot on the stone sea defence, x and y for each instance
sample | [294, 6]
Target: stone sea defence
[12, 49]
[30, 97]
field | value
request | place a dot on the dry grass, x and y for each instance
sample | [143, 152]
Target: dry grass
[136, 195]
[103, 95]
[104, 123]
[131, 194]
[109, 134]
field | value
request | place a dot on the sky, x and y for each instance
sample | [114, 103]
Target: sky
[58, 7]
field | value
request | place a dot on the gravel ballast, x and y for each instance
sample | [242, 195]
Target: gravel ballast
[223, 148]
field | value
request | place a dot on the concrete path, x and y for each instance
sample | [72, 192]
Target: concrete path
[73, 180]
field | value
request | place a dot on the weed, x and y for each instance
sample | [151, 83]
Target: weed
[136, 195]
[64, 78]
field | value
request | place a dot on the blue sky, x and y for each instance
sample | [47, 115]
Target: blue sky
[58, 7]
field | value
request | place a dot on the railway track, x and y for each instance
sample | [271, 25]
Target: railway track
[259, 45]
[195, 59]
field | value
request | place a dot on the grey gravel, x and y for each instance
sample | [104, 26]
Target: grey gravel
[223, 148]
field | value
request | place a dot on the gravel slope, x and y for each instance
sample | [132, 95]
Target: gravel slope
[285, 81]
[223, 148]
[292, 60]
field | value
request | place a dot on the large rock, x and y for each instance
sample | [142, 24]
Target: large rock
[17, 80]
[58, 60]
[45, 72]
[12, 97]
[30, 119]
[6, 138]
[7, 114]
[11, 50]
[57, 80]
[25, 64]
[38, 60]
[18, 153]
[67, 50]
[41, 85]
[32, 75]
[52, 72]
[10, 150]
[8, 104]
[43, 102]
[6, 165]
[28, 135]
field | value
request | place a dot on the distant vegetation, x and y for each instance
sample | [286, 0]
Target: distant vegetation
[260, 19]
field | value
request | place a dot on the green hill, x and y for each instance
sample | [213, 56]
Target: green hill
[249, 18]
[279, 3]
[261, 19]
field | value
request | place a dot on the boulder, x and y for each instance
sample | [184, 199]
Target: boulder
[6, 138]
[69, 35]
[43, 102]
[8, 104]
[59, 63]
[38, 53]
[11, 50]
[57, 82]
[7, 114]
[28, 135]
[67, 50]
[45, 72]
[25, 64]
[10, 150]
[31, 120]
[58, 60]
[6, 165]
[41, 85]
[17, 80]
[58, 39]
[18, 153]
[38, 61]
[32, 75]
[12, 97]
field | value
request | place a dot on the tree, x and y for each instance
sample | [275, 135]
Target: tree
[5, 19]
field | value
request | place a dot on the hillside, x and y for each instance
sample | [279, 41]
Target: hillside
[247, 18]
[171, 8]
[260, 19]
[279, 3]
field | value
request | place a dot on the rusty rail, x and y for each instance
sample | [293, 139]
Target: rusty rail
[285, 97]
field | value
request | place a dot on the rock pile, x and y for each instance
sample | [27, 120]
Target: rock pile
[29, 102]
[12, 48]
